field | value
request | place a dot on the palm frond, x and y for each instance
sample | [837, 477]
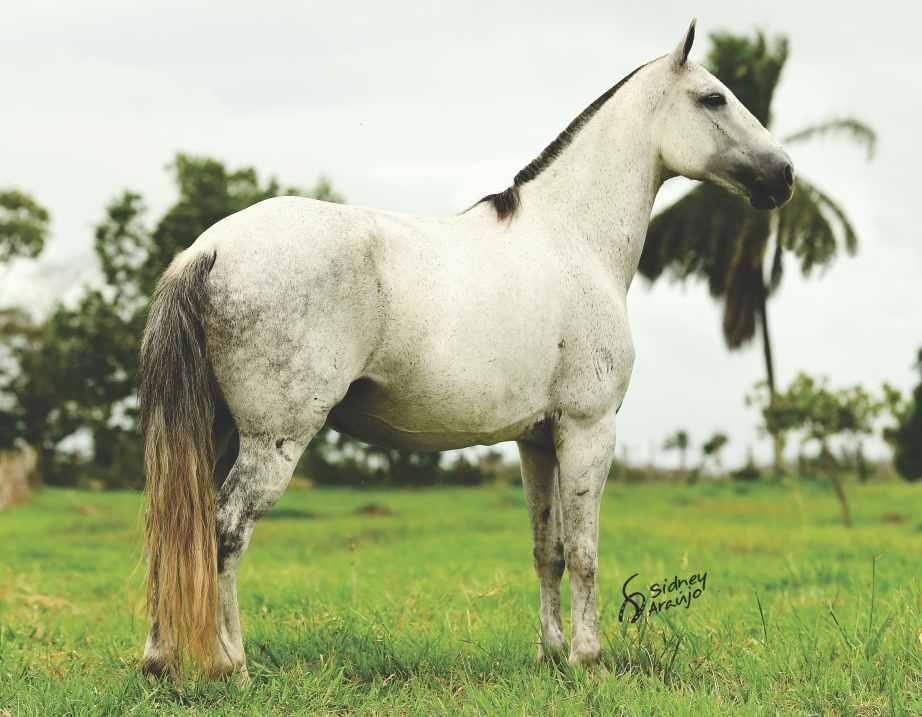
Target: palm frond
[814, 227]
[744, 285]
[742, 305]
[714, 235]
[750, 68]
[827, 203]
[700, 235]
[856, 129]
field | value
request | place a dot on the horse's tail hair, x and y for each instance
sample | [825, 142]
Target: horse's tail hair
[176, 398]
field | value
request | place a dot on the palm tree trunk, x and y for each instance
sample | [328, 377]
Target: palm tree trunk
[777, 440]
[767, 343]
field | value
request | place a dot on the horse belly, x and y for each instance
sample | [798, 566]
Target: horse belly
[427, 408]
[370, 414]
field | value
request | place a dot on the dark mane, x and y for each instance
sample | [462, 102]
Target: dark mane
[507, 201]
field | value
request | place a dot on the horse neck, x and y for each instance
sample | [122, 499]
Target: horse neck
[600, 190]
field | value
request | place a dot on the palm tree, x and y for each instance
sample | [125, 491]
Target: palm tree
[713, 447]
[740, 252]
[678, 441]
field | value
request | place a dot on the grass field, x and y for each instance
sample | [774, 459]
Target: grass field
[427, 606]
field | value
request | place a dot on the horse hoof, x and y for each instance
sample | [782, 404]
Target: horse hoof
[229, 669]
[551, 653]
[154, 667]
[586, 656]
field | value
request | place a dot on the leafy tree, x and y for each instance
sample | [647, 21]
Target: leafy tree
[906, 436]
[716, 236]
[821, 414]
[36, 409]
[713, 447]
[858, 412]
[23, 225]
[780, 416]
[679, 442]
[822, 417]
[23, 233]
[898, 408]
[63, 375]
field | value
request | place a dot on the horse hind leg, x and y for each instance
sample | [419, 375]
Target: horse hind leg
[539, 476]
[261, 473]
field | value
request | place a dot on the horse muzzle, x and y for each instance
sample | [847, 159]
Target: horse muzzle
[773, 186]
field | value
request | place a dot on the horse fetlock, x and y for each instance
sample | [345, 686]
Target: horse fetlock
[585, 650]
[157, 660]
[155, 665]
[552, 651]
[552, 644]
[229, 662]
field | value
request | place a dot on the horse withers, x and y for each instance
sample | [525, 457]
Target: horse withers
[507, 322]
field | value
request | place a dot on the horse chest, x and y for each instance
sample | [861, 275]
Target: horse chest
[596, 363]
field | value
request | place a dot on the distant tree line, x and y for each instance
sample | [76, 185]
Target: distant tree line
[832, 426]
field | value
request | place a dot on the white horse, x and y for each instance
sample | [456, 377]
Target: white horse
[507, 322]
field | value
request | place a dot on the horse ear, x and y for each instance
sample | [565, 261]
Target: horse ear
[680, 54]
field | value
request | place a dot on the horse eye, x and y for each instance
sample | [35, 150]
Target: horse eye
[715, 99]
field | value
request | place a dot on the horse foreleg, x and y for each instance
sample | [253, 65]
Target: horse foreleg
[259, 477]
[584, 453]
[539, 476]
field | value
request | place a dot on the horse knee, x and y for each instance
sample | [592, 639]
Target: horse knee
[582, 560]
[549, 561]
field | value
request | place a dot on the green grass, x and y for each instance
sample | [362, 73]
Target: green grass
[432, 610]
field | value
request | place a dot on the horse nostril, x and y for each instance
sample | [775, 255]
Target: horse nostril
[789, 174]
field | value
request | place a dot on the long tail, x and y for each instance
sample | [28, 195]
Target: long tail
[176, 399]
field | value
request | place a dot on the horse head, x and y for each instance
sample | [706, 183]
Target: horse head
[704, 132]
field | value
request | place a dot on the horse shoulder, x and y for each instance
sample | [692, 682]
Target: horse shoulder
[597, 356]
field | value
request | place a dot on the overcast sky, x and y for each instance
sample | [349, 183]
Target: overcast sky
[424, 107]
